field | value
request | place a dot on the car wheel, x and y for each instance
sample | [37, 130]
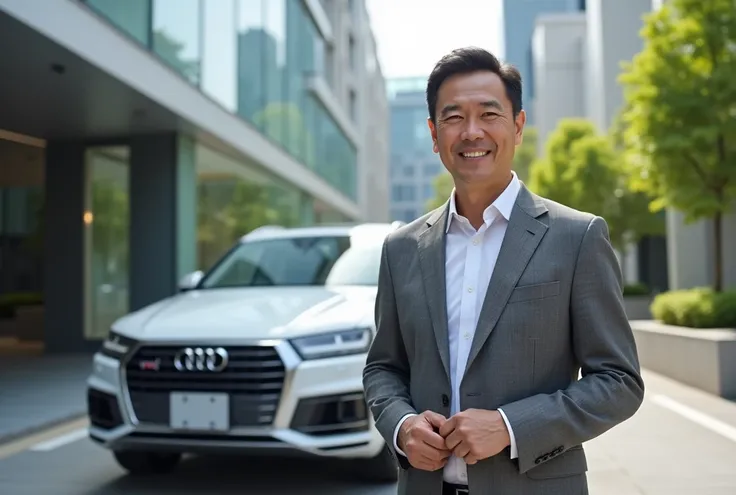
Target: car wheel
[142, 463]
[383, 468]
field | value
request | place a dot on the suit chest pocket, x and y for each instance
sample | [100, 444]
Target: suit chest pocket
[533, 310]
[535, 291]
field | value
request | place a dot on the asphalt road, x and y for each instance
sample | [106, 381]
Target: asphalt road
[83, 468]
[681, 442]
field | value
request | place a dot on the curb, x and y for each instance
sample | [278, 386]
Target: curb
[40, 427]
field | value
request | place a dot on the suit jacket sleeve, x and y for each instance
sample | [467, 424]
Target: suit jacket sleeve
[611, 389]
[386, 373]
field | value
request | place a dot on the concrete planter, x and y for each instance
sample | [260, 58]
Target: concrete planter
[702, 358]
[637, 307]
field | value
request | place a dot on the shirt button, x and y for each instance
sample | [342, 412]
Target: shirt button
[475, 241]
[470, 289]
[466, 335]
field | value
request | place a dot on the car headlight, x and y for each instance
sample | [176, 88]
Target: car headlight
[334, 344]
[116, 346]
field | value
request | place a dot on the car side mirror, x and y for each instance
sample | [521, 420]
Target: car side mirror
[190, 281]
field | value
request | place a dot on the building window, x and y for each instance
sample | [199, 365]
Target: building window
[219, 52]
[131, 16]
[176, 29]
[233, 198]
[107, 238]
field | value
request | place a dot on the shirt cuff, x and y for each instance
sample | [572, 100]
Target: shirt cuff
[396, 434]
[514, 451]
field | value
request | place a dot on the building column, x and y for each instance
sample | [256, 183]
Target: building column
[162, 215]
[689, 252]
[64, 249]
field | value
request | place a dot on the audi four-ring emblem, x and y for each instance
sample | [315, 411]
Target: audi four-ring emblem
[201, 359]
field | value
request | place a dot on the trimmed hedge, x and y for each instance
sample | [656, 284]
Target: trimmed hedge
[9, 302]
[697, 308]
[638, 289]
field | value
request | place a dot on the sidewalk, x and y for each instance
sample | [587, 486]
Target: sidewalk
[37, 392]
[669, 447]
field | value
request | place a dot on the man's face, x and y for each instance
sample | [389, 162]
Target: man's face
[476, 133]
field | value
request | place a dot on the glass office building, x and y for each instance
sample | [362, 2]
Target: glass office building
[414, 165]
[141, 138]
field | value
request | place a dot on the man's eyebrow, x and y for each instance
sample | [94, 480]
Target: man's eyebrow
[449, 108]
[493, 104]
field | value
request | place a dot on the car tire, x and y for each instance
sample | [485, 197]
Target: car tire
[381, 469]
[146, 463]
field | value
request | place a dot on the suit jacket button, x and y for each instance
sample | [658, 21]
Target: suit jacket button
[445, 400]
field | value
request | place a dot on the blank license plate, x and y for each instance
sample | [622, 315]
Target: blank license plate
[199, 411]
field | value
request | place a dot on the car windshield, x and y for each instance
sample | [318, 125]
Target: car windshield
[298, 261]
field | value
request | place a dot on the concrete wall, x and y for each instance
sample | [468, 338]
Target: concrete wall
[559, 48]
[613, 37]
[690, 251]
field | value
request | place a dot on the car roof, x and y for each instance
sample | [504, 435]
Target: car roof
[377, 230]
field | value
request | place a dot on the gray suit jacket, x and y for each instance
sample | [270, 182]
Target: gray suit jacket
[554, 308]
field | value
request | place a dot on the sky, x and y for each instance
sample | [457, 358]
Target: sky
[413, 34]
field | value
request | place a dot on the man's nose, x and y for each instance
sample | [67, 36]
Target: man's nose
[472, 130]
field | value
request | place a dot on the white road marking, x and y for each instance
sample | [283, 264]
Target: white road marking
[704, 420]
[60, 441]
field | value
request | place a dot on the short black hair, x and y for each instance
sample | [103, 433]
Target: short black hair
[473, 59]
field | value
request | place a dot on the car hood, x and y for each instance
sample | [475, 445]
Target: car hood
[251, 313]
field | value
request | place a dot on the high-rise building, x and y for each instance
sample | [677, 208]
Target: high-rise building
[519, 17]
[414, 165]
[139, 139]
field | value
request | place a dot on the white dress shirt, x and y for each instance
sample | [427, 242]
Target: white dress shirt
[470, 257]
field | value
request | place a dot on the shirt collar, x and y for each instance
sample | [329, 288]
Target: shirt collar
[503, 204]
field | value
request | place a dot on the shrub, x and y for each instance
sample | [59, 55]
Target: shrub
[701, 307]
[636, 290]
[9, 302]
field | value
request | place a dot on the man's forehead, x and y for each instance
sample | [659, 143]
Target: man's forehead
[477, 88]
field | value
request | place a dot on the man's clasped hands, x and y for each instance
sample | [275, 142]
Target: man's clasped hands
[428, 439]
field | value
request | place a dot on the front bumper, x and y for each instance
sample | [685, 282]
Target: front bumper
[320, 411]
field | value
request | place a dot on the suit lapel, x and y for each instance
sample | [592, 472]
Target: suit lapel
[523, 235]
[432, 262]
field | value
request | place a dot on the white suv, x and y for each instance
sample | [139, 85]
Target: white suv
[263, 354]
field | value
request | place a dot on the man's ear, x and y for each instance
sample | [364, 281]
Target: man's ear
[519, 123]
[433, 133]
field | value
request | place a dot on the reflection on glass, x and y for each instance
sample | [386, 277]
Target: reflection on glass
[278, 262]
[273, 118]
[235, 198]
[107, 221]
[219, 45]
[176, 35]
[256, 58]
[132, 16]
[21, 223]
[279, 50]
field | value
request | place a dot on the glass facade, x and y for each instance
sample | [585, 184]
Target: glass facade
[256, 59]
[21, 223]
[107, 238]
[234, 198]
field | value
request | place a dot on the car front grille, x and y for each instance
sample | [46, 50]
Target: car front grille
[253, 378]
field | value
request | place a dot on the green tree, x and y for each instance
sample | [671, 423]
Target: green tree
[526, 153]
[680, 112]
[581, 169]
[443, 185]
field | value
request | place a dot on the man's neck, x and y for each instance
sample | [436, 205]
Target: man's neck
[472, 200]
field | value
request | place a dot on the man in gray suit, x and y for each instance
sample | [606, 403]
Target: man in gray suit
[490, 308]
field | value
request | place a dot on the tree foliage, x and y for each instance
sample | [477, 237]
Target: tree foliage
[581, 169]
[679, 122]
